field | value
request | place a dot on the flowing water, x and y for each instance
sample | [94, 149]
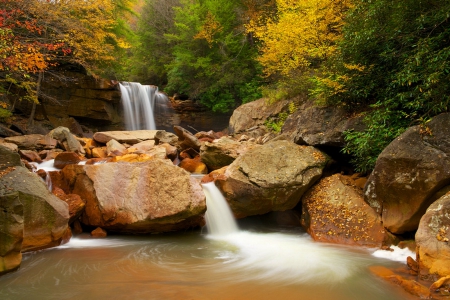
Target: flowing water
[140, 104]
[260, 261]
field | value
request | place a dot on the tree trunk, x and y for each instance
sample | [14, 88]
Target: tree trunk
[38, 90]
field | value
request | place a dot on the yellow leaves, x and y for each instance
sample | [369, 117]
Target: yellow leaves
[209, 28]
[303, 32]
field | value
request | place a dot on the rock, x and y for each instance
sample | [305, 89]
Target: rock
[412, 265]
[159, 196]
[10, 146]
[99, 152]
[45, 216]
[315, 125]
[30, 155]
[432, 239]
[75, 203]
[408, 173]
[271, 177]
[68, 122]
[89, 144]
[253, 114]
[143, 146]
[171, 151]
[222, 152]
[11, 232]
[99, 233]
[163, 136]
[27, 142]
[66, 139]
[334, 211]
[212, 135]
[444, 281]
[186, 139]
[193, 165]
[9, 158]
[114, 148]
[159, 151]
[410, 286]
[129, 137]
[5, 131]
[66, 158]
[132, 158]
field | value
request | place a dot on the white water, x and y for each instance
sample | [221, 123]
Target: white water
[139, 105]
[397, 254]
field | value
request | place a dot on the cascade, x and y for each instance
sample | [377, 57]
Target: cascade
[140, 104]
[219, 218]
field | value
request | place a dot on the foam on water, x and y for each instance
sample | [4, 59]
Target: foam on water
[47, 165]
[397, 254]
[76, 242]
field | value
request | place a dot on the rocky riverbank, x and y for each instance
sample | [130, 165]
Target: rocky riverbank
[140, 182]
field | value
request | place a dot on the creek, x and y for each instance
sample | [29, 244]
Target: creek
[260, 260]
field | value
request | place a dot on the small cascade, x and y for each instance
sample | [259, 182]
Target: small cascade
[48, 181]
[219, 218]
[140, 104]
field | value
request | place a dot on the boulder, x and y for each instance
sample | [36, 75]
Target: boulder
[222, 152]
[75, 203]
[45, 216]
[66, 158]
[5, 131]
[114, 148]
[163, 136]
[408, 174]
[186, 139]
[148, 197]
[142, 146]
[253, 114]
[32, 142]
[334, 211]
[433, 238]
[9, 158]
[66, 139]
[30, 155]
[271, 177]
[99, 233]
[129, 137]
[10, 146]
[11, 232]
[316, 125]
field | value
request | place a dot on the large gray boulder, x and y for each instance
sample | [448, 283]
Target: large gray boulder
[148, 197]
[45, 215]
[408, 174]
[432, 239]
[316, 125]
[9, 158]
[272, 177]
[11, 232]
[254, 114]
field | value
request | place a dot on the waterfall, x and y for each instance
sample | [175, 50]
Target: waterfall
[139, 105]
[219, 218]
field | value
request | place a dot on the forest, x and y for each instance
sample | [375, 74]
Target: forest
[385, 60]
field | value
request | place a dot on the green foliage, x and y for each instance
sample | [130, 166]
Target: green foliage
[212, 59]
[393, 63]
[5, 114]
[276, 123]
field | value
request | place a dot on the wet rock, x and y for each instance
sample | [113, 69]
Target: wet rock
[441, 282]
[408, 173]
[159, 196]
[76, 227]
[271, 177]
[66, 158]
[186, 139]
[129, 137]
[222, 152]
[433, 238]
[45, 216]
[99, 233]
[30, 155]
[75, 203]
[334, 211]
[11, 232]
[194, 165]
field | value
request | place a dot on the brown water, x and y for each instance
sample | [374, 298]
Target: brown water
[262, 264]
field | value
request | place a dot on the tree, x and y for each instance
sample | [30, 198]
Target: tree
[394, 67]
